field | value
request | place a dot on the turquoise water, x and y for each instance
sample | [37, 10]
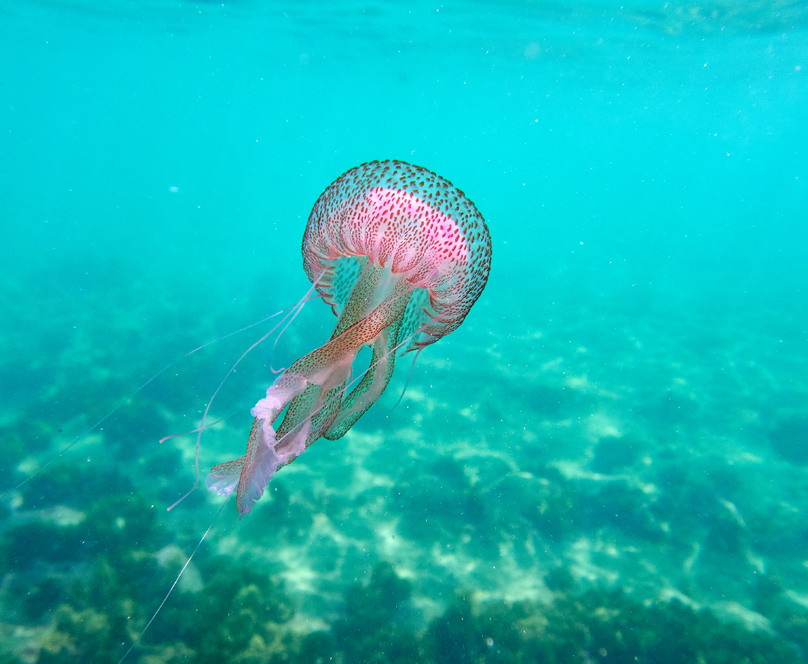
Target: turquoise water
[608, 461]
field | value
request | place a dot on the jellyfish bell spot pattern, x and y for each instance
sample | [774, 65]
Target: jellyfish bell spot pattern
[400, 255]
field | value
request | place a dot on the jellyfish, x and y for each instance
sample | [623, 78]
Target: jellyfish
[400, 255]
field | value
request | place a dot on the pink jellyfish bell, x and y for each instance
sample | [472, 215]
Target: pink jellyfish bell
[401, 255]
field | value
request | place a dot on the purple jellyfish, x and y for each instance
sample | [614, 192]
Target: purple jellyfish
[401, 255]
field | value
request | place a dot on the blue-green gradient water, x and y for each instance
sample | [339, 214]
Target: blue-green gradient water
[608, 461]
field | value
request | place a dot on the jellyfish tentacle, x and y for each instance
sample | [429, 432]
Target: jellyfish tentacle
[325, 412]
[329, 364]
[371, 386]
[260, 463]
[303, 388]
[328, 407]
[223, 477]
[316, 404]
[407, 382]
[358, 304]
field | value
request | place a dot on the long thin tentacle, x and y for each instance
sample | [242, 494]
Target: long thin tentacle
[406, 382]
[295, 309]
[173, 585]
[123, 401]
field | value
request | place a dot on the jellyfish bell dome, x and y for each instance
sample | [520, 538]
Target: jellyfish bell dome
[413, 225]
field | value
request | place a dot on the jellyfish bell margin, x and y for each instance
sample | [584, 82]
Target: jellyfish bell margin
[400, 255]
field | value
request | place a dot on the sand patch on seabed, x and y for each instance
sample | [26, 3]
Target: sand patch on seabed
[632, 525]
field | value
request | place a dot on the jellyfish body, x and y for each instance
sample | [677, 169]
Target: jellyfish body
[400, 255]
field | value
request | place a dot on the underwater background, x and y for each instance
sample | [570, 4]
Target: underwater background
[607, 462]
